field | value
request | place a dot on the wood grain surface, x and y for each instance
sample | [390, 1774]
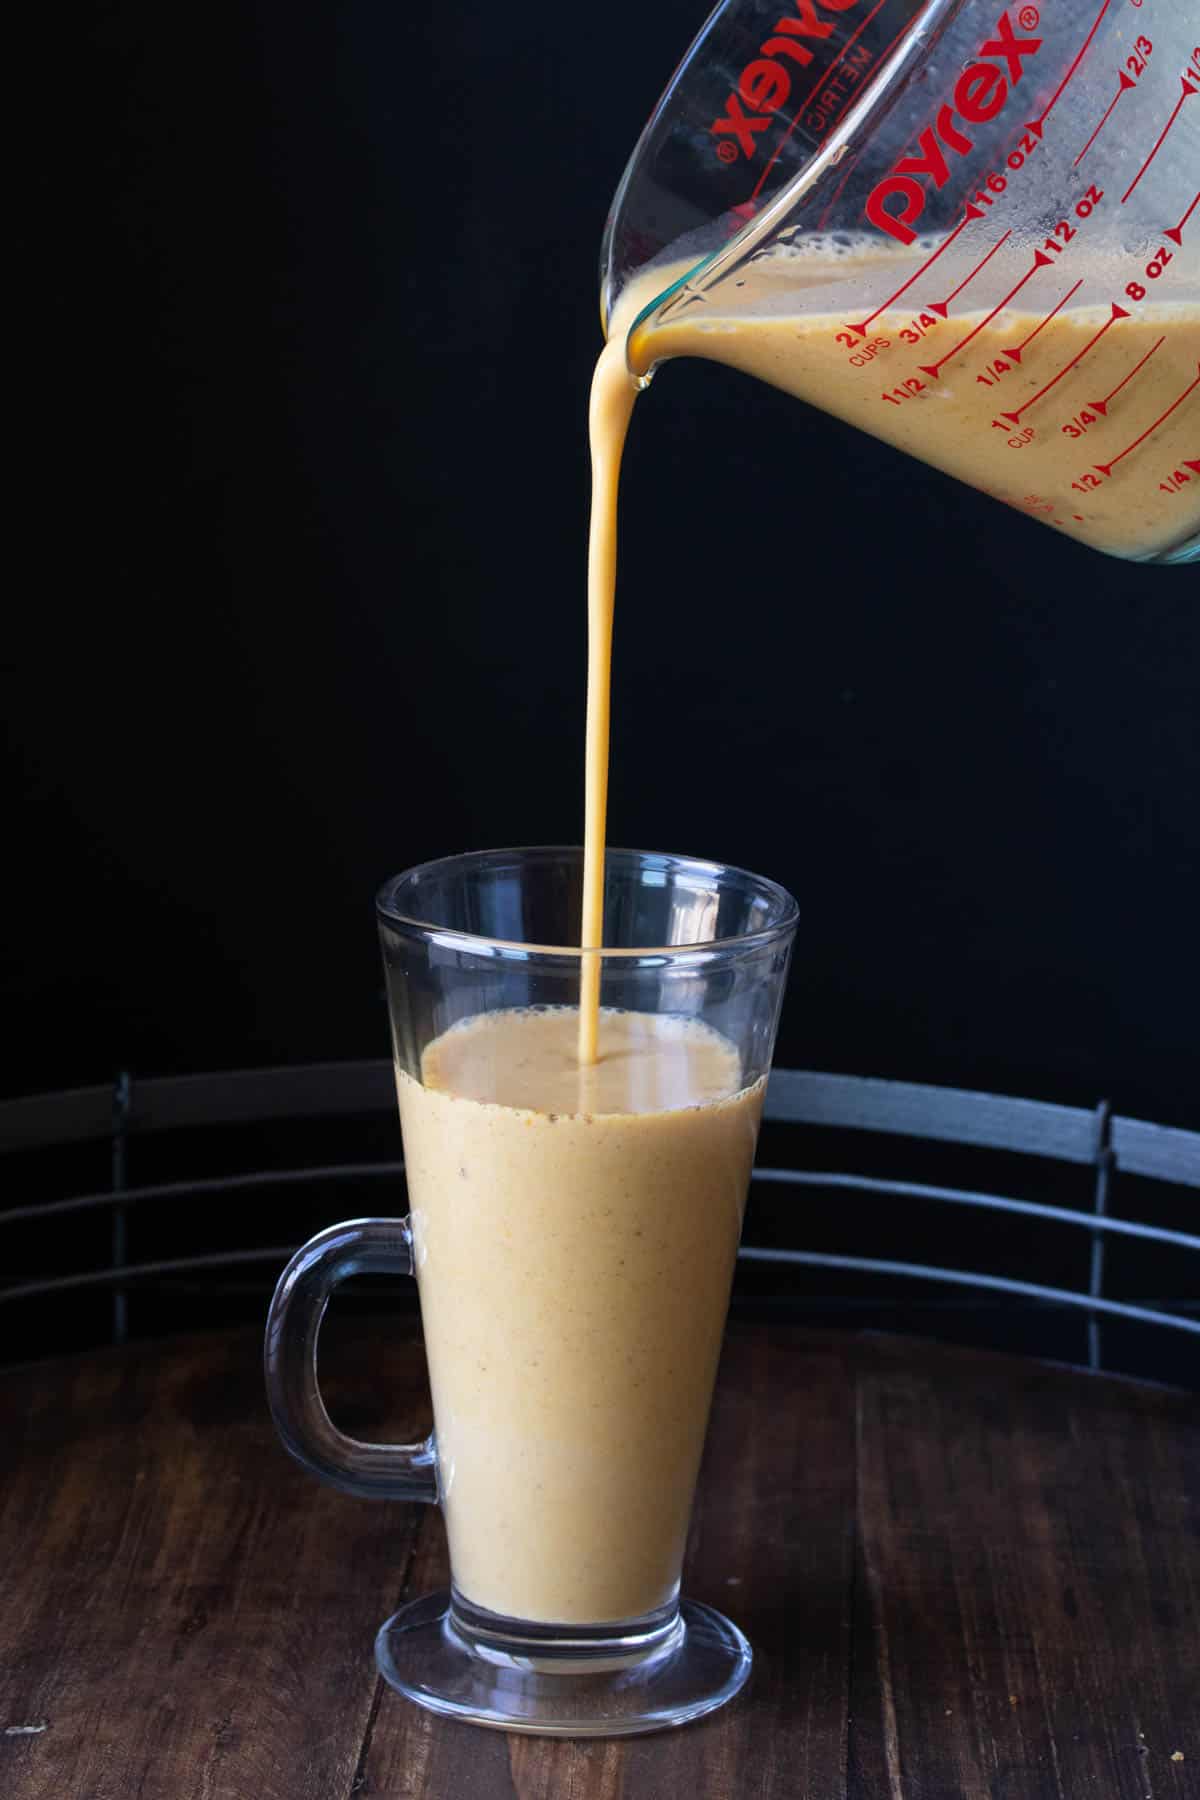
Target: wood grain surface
[966, 1577]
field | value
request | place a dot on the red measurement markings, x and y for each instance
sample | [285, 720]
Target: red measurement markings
[1038, 507]
[1188, 90]
[1018, 353]
[1040, 261]
[942, 307]
[813, 91]
[872, 66]
[1127, 82]
[1101, 406]
[973, 212]
[1107, 468]
[1175, 232]
[1038, 127]
[1118, 312]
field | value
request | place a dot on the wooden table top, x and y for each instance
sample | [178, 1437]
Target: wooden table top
[965, 1577]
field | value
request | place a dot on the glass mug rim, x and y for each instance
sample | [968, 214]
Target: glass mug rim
[398, 916]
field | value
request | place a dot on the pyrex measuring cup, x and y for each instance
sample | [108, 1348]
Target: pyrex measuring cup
[971, 229]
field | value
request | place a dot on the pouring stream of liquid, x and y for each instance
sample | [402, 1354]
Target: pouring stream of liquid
[614, 391]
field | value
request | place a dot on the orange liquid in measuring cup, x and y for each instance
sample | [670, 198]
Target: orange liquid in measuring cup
[1082, 410]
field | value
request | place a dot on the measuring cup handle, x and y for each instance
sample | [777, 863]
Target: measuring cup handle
[372, 1471]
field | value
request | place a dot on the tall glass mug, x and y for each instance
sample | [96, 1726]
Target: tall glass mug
[573, 1232]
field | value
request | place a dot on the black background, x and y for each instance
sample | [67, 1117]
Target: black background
[296, 599]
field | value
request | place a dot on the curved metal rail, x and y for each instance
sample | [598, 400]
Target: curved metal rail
[1113, 1146]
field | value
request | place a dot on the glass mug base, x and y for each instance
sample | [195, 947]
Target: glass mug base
[562, 1681]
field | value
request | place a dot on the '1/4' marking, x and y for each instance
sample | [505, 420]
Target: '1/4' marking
[1178, 479]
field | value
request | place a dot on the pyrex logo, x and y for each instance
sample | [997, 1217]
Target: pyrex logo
[980, 92]
[765, 84]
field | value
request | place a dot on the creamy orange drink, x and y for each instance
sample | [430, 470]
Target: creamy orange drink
[574, 1270]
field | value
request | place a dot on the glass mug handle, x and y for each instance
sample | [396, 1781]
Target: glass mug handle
[373, 1471]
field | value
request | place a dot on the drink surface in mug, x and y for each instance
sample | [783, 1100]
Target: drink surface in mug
[574, 1270]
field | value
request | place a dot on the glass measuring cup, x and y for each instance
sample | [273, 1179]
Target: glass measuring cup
[971, 229]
